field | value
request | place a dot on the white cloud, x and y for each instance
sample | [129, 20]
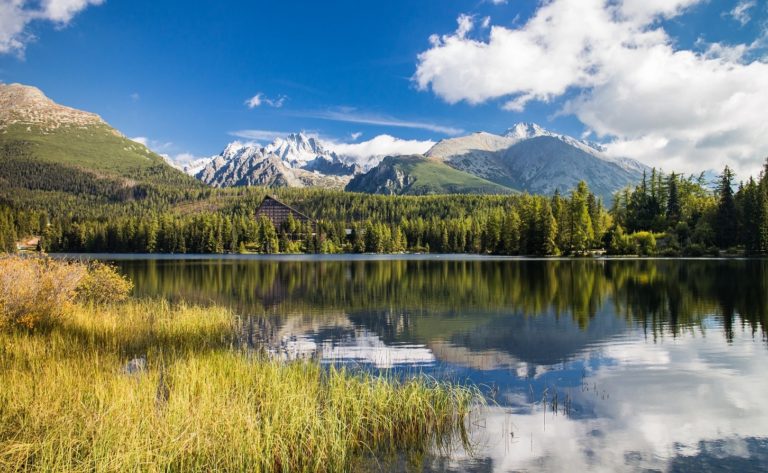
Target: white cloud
[741, 12]
[254, 101]
[141, 140]
[382, 145]
[135, 97]
[466, 24]
[670, 107]
[259, 99]
[184, 158]
[349, 115]
[16, 15]
[356, 135]
[166, 150]
[155, 145]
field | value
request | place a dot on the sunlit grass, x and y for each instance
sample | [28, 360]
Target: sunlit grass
[67, 403]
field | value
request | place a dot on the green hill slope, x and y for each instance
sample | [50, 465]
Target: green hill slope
[418, 175]
[45, 146]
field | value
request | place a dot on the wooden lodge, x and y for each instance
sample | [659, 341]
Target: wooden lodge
[279, 213]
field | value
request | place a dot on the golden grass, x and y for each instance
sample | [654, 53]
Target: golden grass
[66, 403]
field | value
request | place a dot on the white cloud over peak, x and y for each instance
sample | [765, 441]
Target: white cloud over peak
[16, 15]
[381, 145]
[613, 66]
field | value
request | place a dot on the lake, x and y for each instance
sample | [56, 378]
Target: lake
[587, 365]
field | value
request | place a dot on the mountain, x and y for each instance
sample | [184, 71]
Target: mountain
[531, 159]
[47, 146]
[297, 160]
[420, 175]
[526, 158]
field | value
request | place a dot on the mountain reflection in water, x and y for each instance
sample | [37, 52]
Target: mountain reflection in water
[661, 364]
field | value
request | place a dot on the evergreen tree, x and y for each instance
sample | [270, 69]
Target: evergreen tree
[726, 219]
[267, 241]
[674, 210]
[581, 232]
[750, 216]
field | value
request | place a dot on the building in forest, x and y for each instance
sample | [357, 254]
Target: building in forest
[280, 213]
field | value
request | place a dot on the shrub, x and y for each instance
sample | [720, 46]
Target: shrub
[645, 243]
[671, 252]
[39, 291]
[102, 284]
[694, 250]
[34, 291]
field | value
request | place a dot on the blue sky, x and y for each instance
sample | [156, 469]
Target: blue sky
[180, 73]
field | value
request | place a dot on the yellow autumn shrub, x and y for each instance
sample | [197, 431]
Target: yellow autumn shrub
[37, 291]
[102, 284]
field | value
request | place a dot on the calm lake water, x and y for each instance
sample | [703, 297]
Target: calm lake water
[588, 365]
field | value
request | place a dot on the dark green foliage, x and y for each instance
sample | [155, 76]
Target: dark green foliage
[726, 219]
[82, 212]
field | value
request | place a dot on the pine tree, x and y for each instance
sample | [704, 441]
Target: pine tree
[674, 211]
[581, 234]
[510, 234]
[548, 224]
[726, 219]
[750, 216]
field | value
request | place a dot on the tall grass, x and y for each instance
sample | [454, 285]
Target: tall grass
[67, 403]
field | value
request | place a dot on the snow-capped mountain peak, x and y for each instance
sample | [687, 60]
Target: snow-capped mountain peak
[298, 149]
[526, 131]
[233, 149]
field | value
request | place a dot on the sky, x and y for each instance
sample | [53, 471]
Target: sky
[677, 84]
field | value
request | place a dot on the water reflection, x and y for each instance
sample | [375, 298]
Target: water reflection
[655, 365]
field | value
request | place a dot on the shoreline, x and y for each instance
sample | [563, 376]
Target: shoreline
[379, 257]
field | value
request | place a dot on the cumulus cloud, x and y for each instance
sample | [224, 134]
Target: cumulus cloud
[260, 99]
[614, 66]
[382, 145]
[16, 15]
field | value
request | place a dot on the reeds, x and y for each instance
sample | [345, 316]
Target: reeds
[68, 403]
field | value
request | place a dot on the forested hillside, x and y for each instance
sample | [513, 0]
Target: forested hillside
[664, 214]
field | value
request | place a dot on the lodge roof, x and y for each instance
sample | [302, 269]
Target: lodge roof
[272, 201]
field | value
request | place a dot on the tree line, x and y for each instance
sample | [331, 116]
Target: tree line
[666, 214]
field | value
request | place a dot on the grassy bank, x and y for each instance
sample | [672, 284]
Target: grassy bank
[68, 404]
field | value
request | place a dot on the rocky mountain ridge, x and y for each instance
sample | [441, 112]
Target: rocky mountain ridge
[26, 105]
[297, 160]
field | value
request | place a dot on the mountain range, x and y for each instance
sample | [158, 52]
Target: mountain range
[526, 158]
[297, 160]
